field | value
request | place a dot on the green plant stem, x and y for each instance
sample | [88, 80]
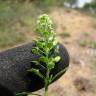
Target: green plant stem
[46, 92]
[47, 82]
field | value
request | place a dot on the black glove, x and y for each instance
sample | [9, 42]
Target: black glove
[14, 64]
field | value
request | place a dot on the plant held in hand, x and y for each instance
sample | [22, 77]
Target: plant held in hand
[47, 49]
[43, 47]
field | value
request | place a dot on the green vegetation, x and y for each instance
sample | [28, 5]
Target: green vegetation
[9, 38]
[43, 46]
[86, 33]
[48, 3]
[92, 4]
[91, 7]
[83, 43]
[16, 20]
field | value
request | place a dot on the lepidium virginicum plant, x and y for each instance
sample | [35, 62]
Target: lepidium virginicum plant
[43, 46]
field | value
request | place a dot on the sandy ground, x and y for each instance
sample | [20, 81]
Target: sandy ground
[80, 79]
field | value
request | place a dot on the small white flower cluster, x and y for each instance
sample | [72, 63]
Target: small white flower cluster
[44, 26]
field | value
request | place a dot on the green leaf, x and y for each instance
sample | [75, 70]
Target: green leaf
[39, 44]
[51, 65]
[35, 62]
[36, 72]
[35, 51]
[50, 45]
[57, 58]
[46, 33]
[50, 79]
[43, 59]
[47, 50]
[58, 74]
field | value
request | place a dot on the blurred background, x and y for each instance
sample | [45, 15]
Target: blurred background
[75, 26]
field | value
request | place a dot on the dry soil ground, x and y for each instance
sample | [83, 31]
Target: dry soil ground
[72, 27]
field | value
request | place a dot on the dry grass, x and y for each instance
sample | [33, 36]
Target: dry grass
[16, 21]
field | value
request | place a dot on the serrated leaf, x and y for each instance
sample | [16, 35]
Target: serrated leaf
[57, 58]
[36, 72]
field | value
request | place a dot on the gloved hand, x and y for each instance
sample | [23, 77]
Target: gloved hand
[14, 64]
